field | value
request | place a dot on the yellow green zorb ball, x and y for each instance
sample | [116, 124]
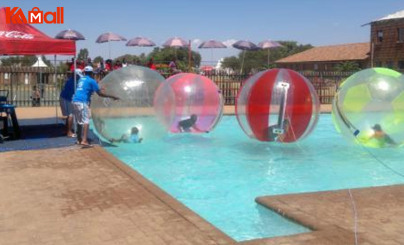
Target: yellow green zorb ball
[368, 108]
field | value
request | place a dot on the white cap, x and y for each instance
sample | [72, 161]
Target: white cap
[88, 69]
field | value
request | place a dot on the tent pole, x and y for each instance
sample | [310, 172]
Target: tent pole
[189, 56]
[242, 62]
[55, 82]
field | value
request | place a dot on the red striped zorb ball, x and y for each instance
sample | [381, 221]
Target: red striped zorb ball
[277, 105]
[188, 102]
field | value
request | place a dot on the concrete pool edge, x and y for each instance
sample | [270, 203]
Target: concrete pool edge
[207, 228]
[330, 215]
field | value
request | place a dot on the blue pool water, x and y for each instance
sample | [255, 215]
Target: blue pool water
[218, 175]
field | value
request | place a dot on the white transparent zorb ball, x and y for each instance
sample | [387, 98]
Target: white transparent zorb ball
[369, 108]
[135, 86]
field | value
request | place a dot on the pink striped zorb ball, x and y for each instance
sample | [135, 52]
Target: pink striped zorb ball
[188, 102]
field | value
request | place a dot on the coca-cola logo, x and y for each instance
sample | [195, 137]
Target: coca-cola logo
[16, 35]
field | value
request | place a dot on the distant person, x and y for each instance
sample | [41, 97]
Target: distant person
[89, 62]
[86, 86]
[173, 67]
[108, 65]
[65, 99]
[381, 136]
[36, 97]
[80, 64]
[100, 67]
[151, 64]
[186, 124]
[124, 63]
[132, 138]
[275, 133]
[118, 65]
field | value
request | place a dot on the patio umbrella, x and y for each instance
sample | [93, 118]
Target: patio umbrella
[268, 44]
[140, 42]
[70, 34]
[108, 37]
[175, 42]
[211, 44]
[244, 45]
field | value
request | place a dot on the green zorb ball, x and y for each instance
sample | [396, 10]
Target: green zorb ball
[368, 108]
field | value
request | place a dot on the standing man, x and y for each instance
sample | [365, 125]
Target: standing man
[86, 86]
[65, 100]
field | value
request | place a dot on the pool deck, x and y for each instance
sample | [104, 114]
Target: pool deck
[86, 196]
[80, 196]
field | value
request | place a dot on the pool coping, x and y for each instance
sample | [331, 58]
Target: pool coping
[378, 206]
[202, 224]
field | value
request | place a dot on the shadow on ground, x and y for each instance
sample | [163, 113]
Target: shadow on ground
[34, 137]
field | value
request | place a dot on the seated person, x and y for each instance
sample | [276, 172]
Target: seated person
[186, 124]
[132, 138]
[277, 134]
[381, 136]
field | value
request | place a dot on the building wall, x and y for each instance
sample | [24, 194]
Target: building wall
[388, 44]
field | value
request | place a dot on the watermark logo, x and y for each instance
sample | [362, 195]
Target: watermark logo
[15, 15]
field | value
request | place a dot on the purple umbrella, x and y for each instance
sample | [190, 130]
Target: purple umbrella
[108, 37]
[140, 42]
[212, 44]
[175, 42]
[268, 44]
[70, 34]
[244, 45]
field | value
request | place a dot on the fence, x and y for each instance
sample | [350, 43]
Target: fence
[22, 81]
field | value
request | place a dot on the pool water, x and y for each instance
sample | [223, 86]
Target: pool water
[219, 175]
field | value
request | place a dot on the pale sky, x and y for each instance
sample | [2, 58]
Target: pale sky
[316, 22]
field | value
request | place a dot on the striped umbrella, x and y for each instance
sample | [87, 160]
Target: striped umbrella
[268, 44]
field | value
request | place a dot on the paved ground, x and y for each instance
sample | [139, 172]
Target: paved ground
[84, 196]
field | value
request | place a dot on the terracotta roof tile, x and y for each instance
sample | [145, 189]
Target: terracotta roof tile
[350, 51]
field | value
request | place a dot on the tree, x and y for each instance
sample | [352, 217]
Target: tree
[348, 66]
[231, 62]
[258, 60]
[26, 60]
[165, 55]
[97, 59]
[83, 54]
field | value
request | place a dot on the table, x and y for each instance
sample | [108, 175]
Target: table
[9, 110]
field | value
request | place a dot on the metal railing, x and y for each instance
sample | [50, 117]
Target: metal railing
[21, 83]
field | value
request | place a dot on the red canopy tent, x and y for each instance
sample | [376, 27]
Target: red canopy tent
[24, 39]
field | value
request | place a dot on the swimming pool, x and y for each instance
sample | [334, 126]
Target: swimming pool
[218, 175]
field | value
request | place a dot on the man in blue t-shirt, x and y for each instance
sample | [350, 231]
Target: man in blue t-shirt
[65, 100]
[86, 86]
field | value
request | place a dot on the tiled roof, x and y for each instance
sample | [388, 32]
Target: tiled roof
[350, 51]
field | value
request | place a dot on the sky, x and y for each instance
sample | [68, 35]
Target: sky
[315, 22]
